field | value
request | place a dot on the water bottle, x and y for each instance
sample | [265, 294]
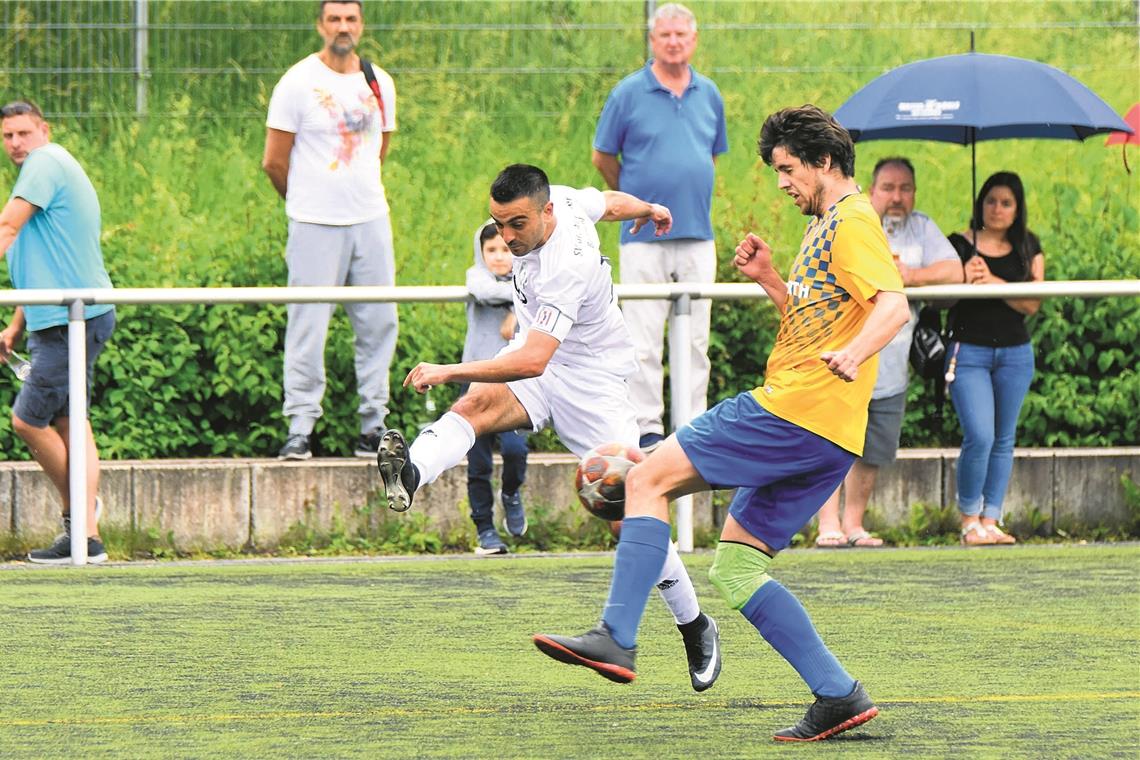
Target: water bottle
[20, 366]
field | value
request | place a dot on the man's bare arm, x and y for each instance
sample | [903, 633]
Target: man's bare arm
[530, 360]
[275, 162]
[609, 167]
[13, 217]
[887, 317]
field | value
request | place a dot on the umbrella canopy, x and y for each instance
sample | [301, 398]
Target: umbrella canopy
[971, 97]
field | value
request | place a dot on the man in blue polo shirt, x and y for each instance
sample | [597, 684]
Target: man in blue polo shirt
[658, 137]
[50, 230]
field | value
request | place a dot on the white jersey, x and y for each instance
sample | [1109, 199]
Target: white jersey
[334, 167]
[565, 289]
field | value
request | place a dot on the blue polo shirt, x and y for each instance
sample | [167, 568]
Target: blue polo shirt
[666, 144]
[58, 247]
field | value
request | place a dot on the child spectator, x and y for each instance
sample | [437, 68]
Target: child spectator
[490, 325]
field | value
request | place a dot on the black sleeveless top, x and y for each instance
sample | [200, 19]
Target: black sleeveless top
[991, 321]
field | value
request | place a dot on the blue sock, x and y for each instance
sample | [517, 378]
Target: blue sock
[784, 623]
[639, 561]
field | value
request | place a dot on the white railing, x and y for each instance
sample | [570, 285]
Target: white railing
[679, 328]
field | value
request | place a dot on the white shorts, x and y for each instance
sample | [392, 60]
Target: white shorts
[585, 407]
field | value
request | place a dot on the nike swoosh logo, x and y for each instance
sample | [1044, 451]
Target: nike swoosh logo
[707, 673]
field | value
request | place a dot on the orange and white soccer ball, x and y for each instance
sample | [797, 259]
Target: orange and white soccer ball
[600, 479]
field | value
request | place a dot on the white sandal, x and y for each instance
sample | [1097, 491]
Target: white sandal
[999, 536]
[975, 534]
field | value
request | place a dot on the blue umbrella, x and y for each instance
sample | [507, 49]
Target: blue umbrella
[975, 96]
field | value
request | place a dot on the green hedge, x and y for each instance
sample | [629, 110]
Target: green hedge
[185, 202]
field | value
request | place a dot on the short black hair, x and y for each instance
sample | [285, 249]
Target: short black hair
[521, 181]
[19, 108]
[895, 160]
[811, 135]
[321, 9]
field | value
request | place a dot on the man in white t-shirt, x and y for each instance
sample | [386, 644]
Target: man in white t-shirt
[568, 365]
[924, 257]
[327, 136]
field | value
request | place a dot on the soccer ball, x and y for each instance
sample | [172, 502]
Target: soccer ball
[600, 479]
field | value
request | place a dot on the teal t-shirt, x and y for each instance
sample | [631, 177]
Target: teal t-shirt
[59, 245]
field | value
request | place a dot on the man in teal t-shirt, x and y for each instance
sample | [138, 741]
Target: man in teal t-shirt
[49, 229]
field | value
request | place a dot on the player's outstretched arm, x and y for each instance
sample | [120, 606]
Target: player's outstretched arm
[622, 207]
[887, 317]
[529, 360]
[754, 260]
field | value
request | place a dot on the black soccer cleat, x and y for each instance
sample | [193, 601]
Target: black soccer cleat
[829, 716]
[400, 476]
[703, 652]
[594, 649]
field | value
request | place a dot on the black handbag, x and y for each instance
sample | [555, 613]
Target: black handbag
[928, 347]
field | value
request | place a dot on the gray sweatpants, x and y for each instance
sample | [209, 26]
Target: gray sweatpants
[324, 255]
[660, 262]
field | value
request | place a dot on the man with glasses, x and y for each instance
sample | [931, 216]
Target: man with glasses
[50, 230]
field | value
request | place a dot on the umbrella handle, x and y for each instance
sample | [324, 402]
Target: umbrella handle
[1124, 155]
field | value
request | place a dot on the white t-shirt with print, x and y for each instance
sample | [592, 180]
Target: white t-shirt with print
[334, 168]
[565, 288]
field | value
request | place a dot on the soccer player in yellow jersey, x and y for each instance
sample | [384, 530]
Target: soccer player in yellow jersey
[786, 444]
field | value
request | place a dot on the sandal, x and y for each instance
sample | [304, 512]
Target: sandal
[861, 539]
[831, 539]
[999, 536]
[976, 535]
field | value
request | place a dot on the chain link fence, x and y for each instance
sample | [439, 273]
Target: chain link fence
[122, 58]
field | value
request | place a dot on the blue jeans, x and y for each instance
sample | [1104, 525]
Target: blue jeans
[988, 389]
[512, 445]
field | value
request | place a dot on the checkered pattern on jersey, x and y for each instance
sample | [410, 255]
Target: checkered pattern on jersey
[815, 298]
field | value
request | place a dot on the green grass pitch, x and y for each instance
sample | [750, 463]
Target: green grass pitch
[1005, 653]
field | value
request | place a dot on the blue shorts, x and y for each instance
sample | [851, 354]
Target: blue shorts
[43, 396]
[783, 472]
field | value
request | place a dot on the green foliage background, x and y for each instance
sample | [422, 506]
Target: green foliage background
[483, 84]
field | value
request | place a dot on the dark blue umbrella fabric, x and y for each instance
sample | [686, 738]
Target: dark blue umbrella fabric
[972, 97]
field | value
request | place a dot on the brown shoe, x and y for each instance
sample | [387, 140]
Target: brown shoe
[975, 534]
[998, 535]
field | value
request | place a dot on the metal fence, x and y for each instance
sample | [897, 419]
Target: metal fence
[122, 58]
[679, 335]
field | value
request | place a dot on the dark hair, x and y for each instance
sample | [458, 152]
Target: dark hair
[1018, 233]
[895, 160]
[488, 232]
[19, 108]
[321, 9]
[810, 134]
[519, 181]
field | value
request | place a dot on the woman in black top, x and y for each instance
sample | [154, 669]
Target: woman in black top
[990, 357]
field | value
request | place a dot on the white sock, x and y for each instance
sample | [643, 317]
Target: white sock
[677, 588]
[441, 445]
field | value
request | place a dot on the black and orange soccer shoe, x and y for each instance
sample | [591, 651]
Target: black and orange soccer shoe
[829, 716]
[594, 649]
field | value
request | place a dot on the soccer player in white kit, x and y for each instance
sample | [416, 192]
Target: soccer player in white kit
[566, 367]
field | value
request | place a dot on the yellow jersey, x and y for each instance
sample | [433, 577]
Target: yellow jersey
[843, 262]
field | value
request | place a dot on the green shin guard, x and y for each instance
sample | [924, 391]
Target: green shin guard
[737, 571]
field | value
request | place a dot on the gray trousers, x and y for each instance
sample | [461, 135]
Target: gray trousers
[324, 255]
[655, 263]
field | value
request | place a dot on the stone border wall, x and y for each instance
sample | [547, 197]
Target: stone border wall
[205, 504]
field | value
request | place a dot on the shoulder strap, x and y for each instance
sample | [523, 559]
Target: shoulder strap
[370, 78]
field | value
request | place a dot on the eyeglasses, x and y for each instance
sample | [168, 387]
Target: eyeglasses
[19, 108]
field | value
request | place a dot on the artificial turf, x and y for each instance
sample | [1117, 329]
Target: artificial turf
[997, 652]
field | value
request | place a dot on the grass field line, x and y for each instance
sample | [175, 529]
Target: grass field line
[404, 712]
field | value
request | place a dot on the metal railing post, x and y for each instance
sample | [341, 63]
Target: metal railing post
[77, 423]
[680, 388]
[142, 71]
